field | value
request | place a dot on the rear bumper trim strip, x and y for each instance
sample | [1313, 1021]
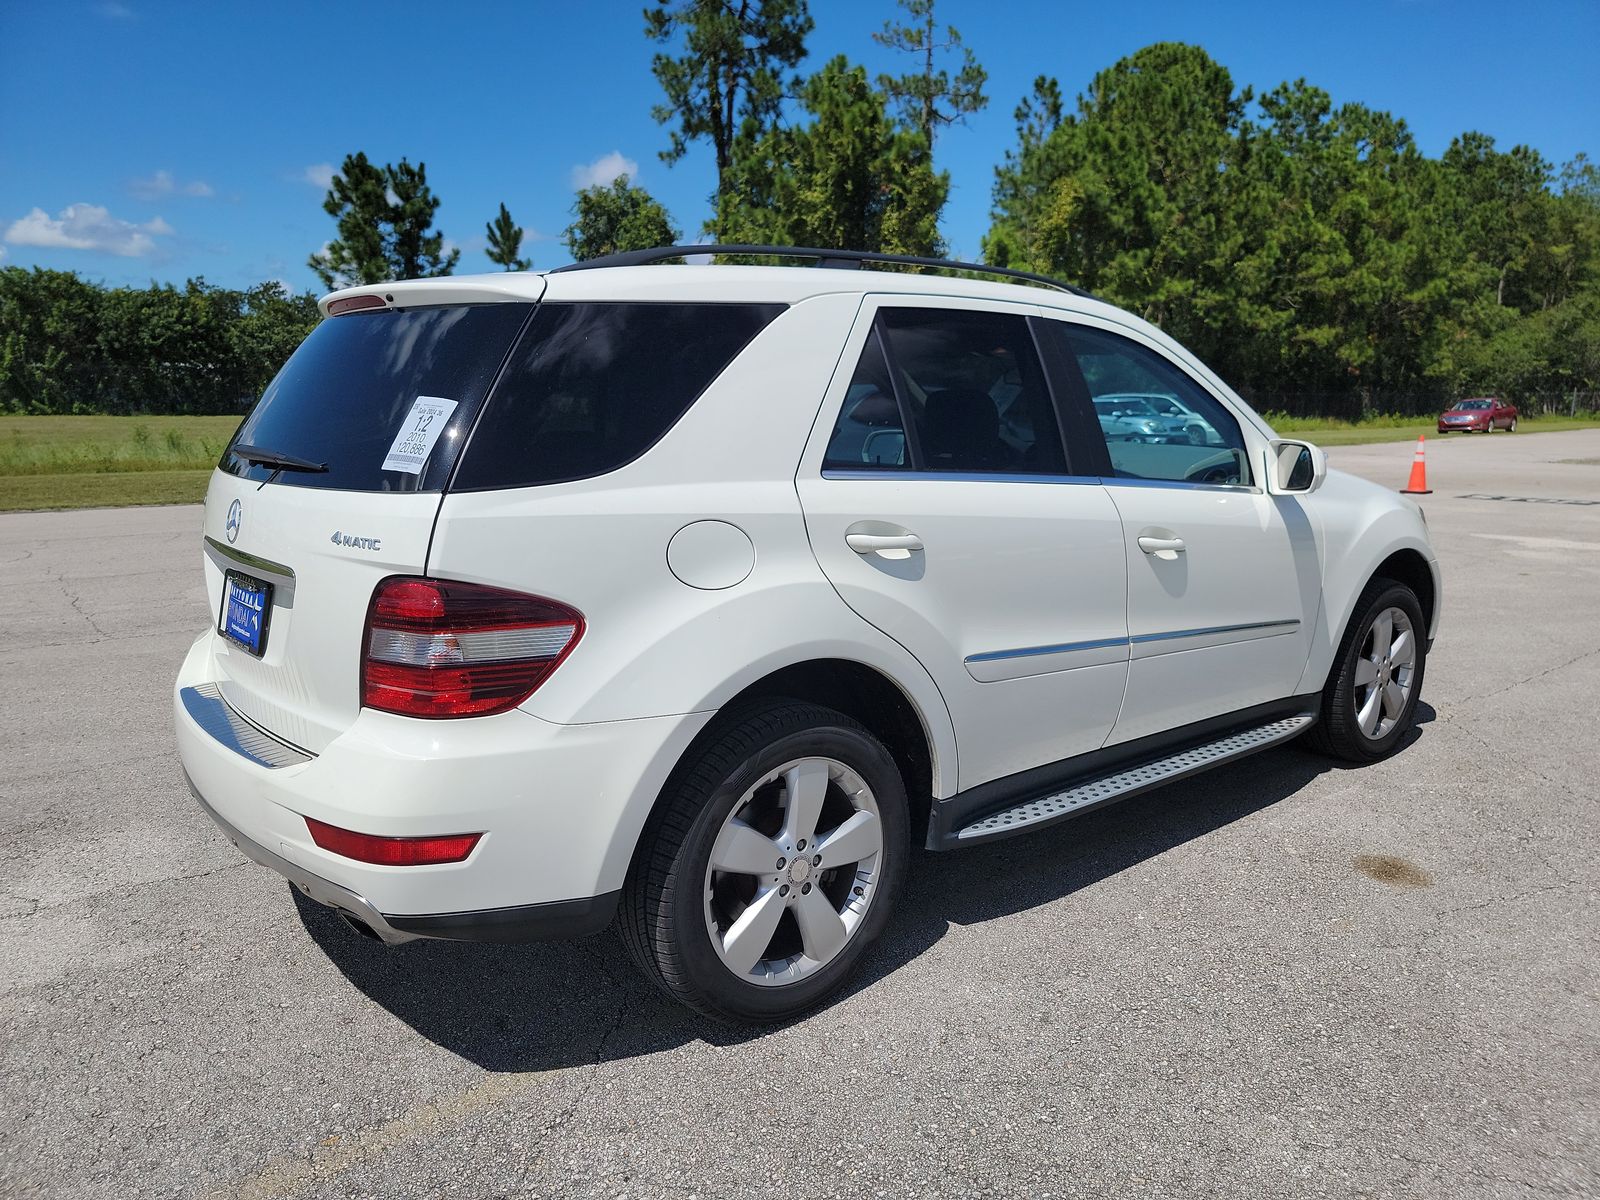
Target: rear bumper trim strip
[207, 708]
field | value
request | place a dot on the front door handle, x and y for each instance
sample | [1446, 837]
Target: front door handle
[1160, 545]
[873, 543]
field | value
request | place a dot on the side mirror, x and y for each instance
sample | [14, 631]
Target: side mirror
[1295, 468]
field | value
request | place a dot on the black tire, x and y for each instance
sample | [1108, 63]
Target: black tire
[1512, 428]
[1337, 733]
[663, 916]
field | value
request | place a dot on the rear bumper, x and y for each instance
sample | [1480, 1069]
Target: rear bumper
[560, 808]
[554, 920]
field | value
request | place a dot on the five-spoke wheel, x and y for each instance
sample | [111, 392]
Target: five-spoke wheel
[1384, 672]
[793, 871]
[771, 863]
[1371, 694]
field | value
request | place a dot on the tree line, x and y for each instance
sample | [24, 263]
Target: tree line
[1303, 249]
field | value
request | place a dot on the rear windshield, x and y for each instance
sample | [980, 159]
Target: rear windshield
[382, 399]
[594, 385]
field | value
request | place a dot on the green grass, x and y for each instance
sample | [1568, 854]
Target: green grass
[101, 489]
[96, 461]
[82, 445]
[1325, 431]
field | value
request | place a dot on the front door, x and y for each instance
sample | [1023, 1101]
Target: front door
[1223, 578]
[943, 505]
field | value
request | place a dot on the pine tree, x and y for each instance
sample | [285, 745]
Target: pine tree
[617, 218]
[854, 178]
[727, 87]
[505, 242]
[385, 218]
[930, 99]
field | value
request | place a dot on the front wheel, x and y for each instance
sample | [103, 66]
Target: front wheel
[772, 864]
[1371, 695]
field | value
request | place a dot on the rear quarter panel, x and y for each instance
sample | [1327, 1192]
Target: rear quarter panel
[652, 645]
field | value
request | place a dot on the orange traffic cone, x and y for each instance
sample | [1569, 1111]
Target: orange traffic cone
[1417, 485]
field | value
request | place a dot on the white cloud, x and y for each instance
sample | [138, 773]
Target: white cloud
[163, 184]
[603, 170]
[88, 227]
[115, 11]
[318, 175]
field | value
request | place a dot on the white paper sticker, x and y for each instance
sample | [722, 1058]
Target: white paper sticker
[423, 425]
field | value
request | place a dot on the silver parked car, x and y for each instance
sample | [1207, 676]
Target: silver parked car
[1140, 417]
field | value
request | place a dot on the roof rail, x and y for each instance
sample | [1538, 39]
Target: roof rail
[847, 259]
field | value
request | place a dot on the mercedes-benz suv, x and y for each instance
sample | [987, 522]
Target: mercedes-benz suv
[687, 596]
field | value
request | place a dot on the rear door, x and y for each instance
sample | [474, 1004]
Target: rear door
[332, 483]
[944, 507]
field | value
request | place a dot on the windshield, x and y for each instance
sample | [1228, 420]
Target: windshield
[1470, 405]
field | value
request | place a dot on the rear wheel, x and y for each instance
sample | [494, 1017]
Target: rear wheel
[1371, 695]
[771, 866]
[1512, 428]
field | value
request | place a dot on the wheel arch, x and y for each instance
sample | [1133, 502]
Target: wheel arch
[862, 692]
[1409, 567]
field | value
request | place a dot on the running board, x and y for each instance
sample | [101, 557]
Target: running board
[1119, 785]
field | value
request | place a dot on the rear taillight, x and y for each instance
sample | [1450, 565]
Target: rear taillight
[392, 851]
[438, 648]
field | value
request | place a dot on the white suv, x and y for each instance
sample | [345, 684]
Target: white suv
[690, 595]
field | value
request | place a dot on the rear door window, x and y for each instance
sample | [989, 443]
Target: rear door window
[360, 383]
[592, 386]
[956, 390]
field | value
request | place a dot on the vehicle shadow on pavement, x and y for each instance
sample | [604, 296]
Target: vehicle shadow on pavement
[545, 1006]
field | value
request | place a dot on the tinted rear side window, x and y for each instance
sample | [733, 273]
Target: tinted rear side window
[354, 385]
[592, 386]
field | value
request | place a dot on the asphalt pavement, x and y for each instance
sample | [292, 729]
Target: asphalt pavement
[1284, 978]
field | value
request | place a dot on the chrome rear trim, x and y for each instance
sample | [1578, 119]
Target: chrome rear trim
[250, 560]
[321, 890]
[211, 712]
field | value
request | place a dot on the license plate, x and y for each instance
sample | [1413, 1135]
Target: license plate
[246, 606]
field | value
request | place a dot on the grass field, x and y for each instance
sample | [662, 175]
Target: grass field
[95, 462]
[1326, 432]
[106, 462]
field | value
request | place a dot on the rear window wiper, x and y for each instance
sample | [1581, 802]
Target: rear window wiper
[277, 459]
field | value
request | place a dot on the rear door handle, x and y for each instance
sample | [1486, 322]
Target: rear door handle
[1158, 545]
[872, 543]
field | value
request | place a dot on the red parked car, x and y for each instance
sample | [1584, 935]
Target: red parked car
[1482, 415]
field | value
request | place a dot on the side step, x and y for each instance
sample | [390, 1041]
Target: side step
[1081, 797]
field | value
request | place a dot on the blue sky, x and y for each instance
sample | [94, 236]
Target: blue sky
[143, 140]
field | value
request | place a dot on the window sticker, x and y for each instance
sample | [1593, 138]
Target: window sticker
[423, 425]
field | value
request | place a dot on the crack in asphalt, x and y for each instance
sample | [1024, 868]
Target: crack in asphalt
[1536, 675]
[39, 906]
[1527, 894]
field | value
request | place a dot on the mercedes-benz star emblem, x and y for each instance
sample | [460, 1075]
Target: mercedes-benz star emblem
[235, 519]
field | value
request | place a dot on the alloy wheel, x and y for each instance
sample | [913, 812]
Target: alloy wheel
[793, 871]
[1385, 671]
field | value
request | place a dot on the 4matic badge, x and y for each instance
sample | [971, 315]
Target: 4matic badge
[356, 543]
